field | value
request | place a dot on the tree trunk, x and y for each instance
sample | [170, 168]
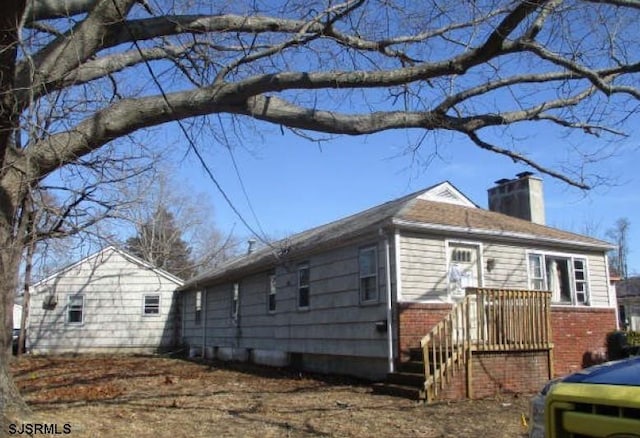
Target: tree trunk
[12, 406]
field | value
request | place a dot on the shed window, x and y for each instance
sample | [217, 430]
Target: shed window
[303, 286]
[151, 305]
[368, 262]
[75, 309]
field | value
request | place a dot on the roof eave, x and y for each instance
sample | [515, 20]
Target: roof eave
[502, 235]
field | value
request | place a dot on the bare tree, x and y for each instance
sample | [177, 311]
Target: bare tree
[171, 225]
[618, 257]
[70, 81]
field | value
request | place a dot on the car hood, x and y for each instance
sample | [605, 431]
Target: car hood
[621, 372]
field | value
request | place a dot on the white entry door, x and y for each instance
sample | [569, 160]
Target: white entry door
[463, 269]
[464, 272]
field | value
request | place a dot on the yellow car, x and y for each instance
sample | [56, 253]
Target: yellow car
[601, 401]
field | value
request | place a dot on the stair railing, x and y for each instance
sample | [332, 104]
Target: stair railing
[485, 320]
[446, 347]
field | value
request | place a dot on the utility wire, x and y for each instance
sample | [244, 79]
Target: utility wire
[192, 144]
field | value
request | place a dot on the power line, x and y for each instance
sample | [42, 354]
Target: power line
[192, 144]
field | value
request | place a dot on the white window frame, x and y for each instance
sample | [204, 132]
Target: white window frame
[364, 276]
[197, 308]
[272, 293]
[146, 306]
[304, 287]
[571, 259]
[235, 302]
[449, 246]
[70, 309]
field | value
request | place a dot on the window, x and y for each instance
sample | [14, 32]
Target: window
[271, 297]
[151, 305]
[461, 255]
[536, 274]
[198, 308]
[303, 286]
[368, 262]
[235, 301]
[564, 276]
[75, 309]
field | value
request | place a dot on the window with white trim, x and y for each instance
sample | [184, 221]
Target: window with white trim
[235, 302]
[75, 309]
[151, 305]
[197, 313]
[271, 294]
[304, 287]
[565, 276]
[368, 263]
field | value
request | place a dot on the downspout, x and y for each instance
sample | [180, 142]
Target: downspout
[204, 322]
[387, 257]
[611, 292]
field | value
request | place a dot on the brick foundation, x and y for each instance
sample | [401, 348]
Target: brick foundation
[579, 332]
[500, 373]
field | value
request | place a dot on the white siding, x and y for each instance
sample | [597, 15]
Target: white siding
[113, 288]
[423, 267]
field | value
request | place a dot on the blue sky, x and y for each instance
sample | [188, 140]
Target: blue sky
[294, 184]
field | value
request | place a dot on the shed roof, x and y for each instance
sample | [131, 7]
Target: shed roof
[440, 208]
[104, 254]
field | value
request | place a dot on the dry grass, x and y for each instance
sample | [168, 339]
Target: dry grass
[102, 396]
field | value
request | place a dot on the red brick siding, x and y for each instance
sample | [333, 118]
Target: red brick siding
[578, 331]
[416, 320]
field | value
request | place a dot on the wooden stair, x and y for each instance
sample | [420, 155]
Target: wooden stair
[407, 381]
[485, 320]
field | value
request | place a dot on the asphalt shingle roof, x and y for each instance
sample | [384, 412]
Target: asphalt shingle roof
[402, 212]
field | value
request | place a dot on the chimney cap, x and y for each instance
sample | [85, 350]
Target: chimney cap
[251, 243]
[502, 181]
[525, 174]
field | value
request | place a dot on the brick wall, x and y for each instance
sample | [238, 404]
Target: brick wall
[578, 332]
[500, 373]
[414, 321]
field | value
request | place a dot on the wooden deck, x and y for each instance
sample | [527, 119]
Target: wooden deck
[485, 320]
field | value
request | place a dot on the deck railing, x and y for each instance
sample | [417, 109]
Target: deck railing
[484, 320]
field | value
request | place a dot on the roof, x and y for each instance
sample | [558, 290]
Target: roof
[102, 253]
[441, 208]
[629, 287]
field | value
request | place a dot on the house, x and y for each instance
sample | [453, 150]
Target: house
[628, 293]
[110, 301]
[431, 277]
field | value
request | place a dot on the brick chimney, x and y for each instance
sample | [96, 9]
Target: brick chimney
[521, 197]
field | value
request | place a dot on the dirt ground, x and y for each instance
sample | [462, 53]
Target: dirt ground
[129, 396]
